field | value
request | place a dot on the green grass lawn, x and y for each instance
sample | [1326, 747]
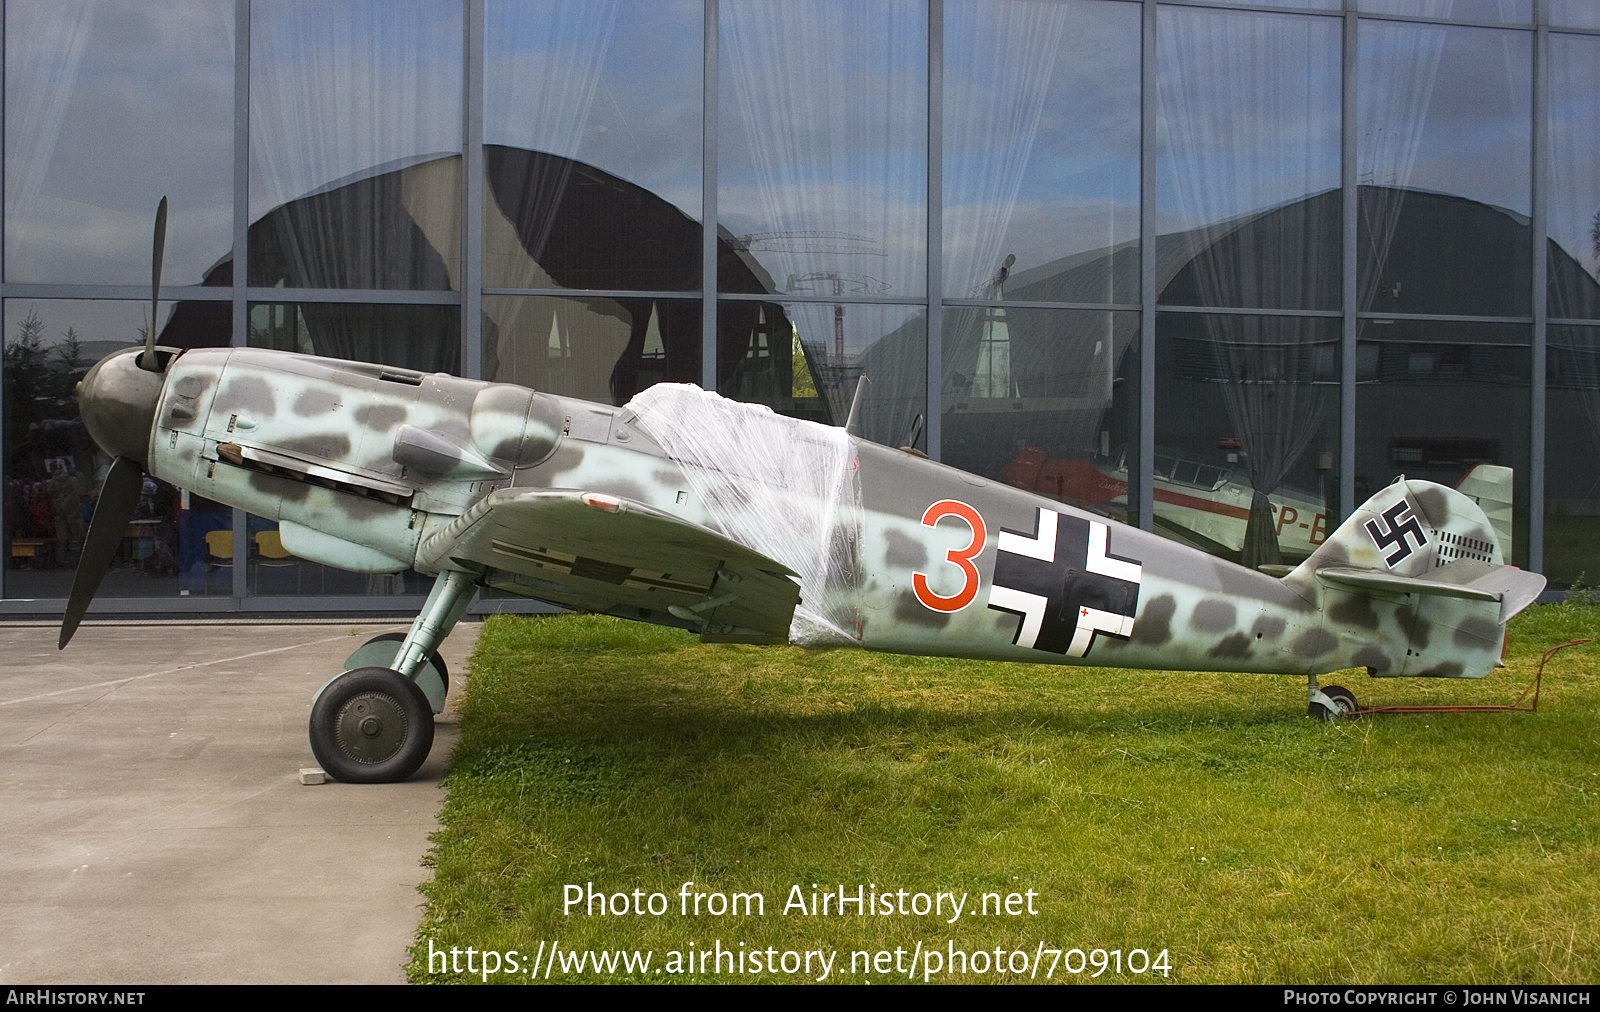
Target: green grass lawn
[1199, 814]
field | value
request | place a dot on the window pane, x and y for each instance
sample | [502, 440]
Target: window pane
[1248, 170]
[54, 471]
[599, 349]
[592, 127]
[355, 131]
[110, 106]
[823, 171]
[1436, 399]
[1039, 399]
[807, 358]
[1445, 127]
[1574, 176]
[1246, 433]
[1041, 150]
[425, 338]
[1575, 13]
[1502, 11]
[1572, 458]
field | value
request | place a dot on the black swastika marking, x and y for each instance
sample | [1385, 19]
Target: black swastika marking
[1397, 532]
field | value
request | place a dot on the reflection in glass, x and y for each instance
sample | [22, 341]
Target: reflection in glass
[1572, 458]
[1249, 125]
[1501, 11]
[807, 359]
[1041, 146]
[1574, 14]
[592, 115]
[823, 144]
[1444, 110]
[1480, 266]
[354, 110]
[1434, 399]
[53, 471]
[1039, 399]
[1574, 215]
[551, 222]
[109, 106]
[425, 338]
[272, 571]
[1246, 433]
[599, 349]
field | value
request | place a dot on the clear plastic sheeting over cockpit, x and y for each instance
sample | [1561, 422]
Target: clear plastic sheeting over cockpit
[780, 486]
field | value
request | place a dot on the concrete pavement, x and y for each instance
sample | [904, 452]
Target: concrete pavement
[153, 828]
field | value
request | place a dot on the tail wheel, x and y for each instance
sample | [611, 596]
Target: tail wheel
[1343, 700]
[371, 726]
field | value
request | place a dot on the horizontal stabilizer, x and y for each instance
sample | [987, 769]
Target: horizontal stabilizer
[1513, 588]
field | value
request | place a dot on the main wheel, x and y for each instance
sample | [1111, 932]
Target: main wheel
[1343, 699]
[371, 726]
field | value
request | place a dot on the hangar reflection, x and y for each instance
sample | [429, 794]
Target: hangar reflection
[591, 289]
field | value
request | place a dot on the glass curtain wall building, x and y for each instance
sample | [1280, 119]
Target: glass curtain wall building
[1217, 269]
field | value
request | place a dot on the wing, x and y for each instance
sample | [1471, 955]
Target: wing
[596, 552]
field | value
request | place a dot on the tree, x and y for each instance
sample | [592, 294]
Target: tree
[38, 391]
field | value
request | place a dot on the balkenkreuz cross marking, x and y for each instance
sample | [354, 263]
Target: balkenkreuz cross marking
[1064, 584]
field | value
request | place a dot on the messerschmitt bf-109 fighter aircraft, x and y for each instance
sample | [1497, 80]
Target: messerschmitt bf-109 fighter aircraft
[724, 518]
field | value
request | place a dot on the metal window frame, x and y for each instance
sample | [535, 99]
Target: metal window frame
[472, 291]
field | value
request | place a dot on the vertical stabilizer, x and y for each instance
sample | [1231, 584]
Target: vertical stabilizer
[1414, 583]
[1489, 485]
[1409, 529]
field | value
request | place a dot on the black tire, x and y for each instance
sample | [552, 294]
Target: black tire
[1342, 698]
[371, 726]
[398, 638]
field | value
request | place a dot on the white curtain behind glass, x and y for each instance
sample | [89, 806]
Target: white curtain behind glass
[541, 90]
[1574, 212]
[338, 91]
[112, 104]
[1247, 118]
[824, 172]
[1246, 123]
[45, 48]
[1394, 95]
[545, 70]
[1575, 166]
[994, 127]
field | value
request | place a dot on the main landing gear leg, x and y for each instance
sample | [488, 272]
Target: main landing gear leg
[447, 602]
[374, 725]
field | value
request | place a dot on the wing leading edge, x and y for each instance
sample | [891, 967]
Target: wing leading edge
[595, 552]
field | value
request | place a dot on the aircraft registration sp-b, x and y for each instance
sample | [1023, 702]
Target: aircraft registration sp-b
[687, 509]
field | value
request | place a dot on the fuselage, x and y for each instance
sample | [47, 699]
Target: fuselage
[360, 463]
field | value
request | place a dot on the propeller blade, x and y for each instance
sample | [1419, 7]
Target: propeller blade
[147, 361]
[118, 498]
